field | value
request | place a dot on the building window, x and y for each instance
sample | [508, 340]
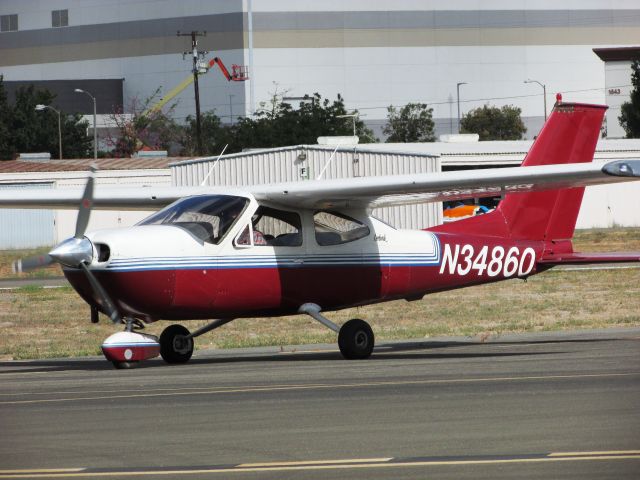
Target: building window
[60, 18]
[8, 23]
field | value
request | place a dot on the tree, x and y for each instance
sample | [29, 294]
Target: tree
[493, 123]
[411, 123]
[630, 111]
[277, 124]
[6, 149]
[29, 130]
[214, 135]
[144, 128]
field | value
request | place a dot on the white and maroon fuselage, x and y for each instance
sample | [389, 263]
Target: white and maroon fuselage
[163, 272]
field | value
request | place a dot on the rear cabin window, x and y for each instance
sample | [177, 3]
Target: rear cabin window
[333, 228]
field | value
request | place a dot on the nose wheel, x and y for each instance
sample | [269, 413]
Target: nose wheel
[176, 345]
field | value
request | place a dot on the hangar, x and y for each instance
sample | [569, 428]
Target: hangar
[603, 206]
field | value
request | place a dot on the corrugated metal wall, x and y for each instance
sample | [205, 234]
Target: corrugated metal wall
[26, 228]
[306, 162]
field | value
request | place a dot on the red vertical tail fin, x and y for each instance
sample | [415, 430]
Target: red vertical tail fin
[570, 135]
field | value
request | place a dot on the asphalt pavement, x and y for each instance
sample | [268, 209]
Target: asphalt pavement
[554, 405]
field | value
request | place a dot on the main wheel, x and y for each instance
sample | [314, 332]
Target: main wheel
[356, 339]
[174, 346]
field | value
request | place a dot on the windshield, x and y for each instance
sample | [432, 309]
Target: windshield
[206, 217]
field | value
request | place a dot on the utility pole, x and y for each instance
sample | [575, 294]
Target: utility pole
[458, 90]
[196, 55]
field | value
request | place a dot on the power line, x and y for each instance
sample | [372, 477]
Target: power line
[502, 98]
[429, 103]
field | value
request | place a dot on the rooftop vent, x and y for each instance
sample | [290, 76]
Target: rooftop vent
[459, 138]
[150, 153]
[35, 157]
[351, 140]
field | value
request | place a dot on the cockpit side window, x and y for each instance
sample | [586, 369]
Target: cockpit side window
[334, 228]
[273, 227]
[206, 217]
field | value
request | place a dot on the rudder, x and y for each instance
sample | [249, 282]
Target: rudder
[570, 135]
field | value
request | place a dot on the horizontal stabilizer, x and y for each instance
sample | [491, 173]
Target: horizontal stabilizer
[576, 258]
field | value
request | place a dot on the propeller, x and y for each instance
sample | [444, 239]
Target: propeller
[86, 204]
[76, 252]
[30, 263]
[107, 304]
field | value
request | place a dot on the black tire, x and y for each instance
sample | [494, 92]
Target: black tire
[174, 348]
[125, 365]
[356, 340]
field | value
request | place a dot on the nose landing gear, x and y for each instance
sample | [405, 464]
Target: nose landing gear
[176, 345]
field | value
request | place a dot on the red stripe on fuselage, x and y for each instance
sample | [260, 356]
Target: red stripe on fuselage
[182, 294]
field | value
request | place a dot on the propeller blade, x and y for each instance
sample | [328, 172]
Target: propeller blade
[86, 204]
[31, 263]
[107, 303]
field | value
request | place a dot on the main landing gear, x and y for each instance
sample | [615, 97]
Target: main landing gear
[355, 338]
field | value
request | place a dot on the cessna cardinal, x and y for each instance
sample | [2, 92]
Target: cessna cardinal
[313, 247]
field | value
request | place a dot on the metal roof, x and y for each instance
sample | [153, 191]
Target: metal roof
[450, 154]
[17, 166]
[365, 147]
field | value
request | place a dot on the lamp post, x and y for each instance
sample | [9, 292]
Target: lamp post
[544, 92]
[40, 108]
[353, 117]
[95, 131]
[458, 92]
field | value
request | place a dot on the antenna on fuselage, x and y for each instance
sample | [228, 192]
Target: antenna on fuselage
[213, 166]
[328, 162]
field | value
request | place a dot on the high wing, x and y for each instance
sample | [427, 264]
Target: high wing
[367, 192]
[391, 190]
[105, 198]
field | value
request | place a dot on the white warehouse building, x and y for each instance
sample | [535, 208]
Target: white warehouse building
[374, 53]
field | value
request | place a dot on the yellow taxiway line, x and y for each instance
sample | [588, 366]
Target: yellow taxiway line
[362, 463]
[319, 386]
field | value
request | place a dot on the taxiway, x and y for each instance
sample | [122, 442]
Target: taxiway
[558, 405]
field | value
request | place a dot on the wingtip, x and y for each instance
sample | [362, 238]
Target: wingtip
[622, 168]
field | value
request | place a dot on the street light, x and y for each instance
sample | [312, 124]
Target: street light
[353, 117]
[458, 91]
[95, 131]
[40, 108]
[544, 92]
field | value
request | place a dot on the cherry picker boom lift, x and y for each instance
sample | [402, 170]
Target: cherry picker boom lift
[239, 73]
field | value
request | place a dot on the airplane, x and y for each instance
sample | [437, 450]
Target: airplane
[313, 247]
